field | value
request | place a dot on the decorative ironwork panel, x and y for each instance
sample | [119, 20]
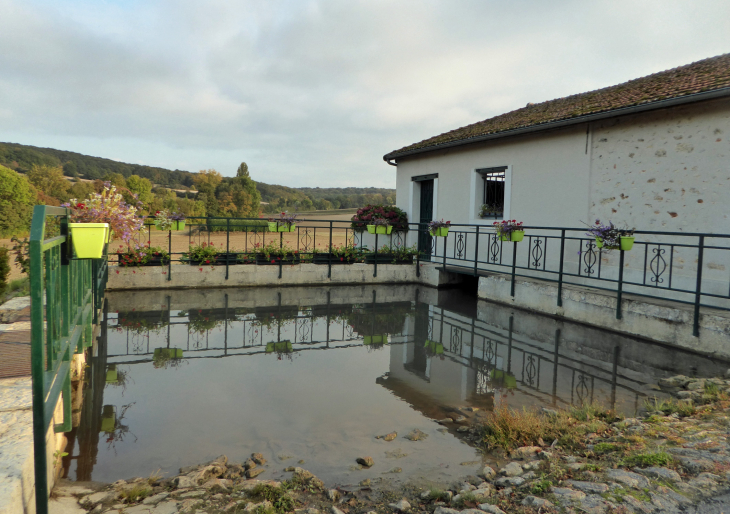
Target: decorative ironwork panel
[657, 265]
[589, 258]
[495, 249]
[536, 253]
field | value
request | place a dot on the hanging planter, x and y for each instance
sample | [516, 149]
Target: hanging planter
[440, 232]
[434, 348]
[380, 229]
[439, 228]
[627, 243]
[377, 339]
[111, 374]
[108, 418]
[506, 379]
[610, 237]
[515, 236]
[178, 225]
[600, 244]
[279, 347]
[89, 239]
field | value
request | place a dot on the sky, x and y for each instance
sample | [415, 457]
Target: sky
[314, 93]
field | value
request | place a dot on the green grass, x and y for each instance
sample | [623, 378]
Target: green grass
[541, 486]
[668, 406]
[278, 496]
[604, 448]
[138, 492]
[646, 460]
[438, 494]
[464, 499]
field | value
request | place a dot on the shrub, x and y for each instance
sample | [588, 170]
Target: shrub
[645, 460]
[17, 198]
[235, 225]
[4, 269]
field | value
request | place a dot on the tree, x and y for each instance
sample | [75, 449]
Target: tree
[117, 179]
[141, 187]
[50, 181]
[17, 197]
[243, 170]
[206, 182]
[81, 190]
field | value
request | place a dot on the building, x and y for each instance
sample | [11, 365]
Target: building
[652, 153]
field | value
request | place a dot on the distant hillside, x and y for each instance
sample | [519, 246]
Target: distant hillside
[22, 157]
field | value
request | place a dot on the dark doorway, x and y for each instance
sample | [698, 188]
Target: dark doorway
[426, 215]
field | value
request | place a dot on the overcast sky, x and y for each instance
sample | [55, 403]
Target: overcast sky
[314, 93]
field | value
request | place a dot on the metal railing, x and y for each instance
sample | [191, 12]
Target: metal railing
[65, 296]
[691, 269]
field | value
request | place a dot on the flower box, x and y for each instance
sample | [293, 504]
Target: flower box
[152, 260]
[377, 339]
[515, 236]
[380, 229]
[279, 347]
[434, 348]
[88, 239]
[219, 259]
[384, 258]
[277, 226]
[440, 232]
[599, 244]
[324, 258]
[111, 374]
[178, 225]
[274, 260]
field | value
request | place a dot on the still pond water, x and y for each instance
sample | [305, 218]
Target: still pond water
[315, 374]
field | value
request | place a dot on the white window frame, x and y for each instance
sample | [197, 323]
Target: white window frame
[477, 193]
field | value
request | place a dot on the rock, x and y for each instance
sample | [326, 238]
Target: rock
[95, 498]
[445, 421]
[221, 460]
[444, 510]
[193, 494]
[169, 507]
[234, 471]
[696, 466]
[490, 509]
[302, 474]
[696, 385]
[207, 472]
[425, 495]
[565, 494]
[534, 501]
[463, 429]
[310, 510]
[588, 487]
[335, 510]
[638, 506]
[218, 485]
[189, 505]
[184, 482]
[394, 470]
[401, 506]
[663, 473]
[529, 475]
[365, 483]
[153, 500]
[524, 452]
[576, 466]
[509, 481]
[488, 473]
[365, 461]
[333, 495]
[416, 435]
[482, 493]
[258, 459]
[545, 455]
[249, 464]
[389, 437]
[677, 381]
[512, 469]
[628, 478]
[472, 511]
[253, 473]
[460, 419]
[596, 505]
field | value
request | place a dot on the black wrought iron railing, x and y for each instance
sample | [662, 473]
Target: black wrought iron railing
[690, 269]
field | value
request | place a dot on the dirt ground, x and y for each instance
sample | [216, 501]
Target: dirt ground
[309, 234]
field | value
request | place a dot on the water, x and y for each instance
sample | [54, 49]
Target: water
[314, 374]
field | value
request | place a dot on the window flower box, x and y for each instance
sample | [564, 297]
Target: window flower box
[380, 229]
[89, 239]
[515, 236]
[274, 260]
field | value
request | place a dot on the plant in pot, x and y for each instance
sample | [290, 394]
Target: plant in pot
[439, 228]
[178, 220]
[491, 211]
[343, 254]
[284, 223]
[98, 219]
[509, 230]
[145, 255]
[276, 253]
[392, 255]
[394, 216]
[610, 237]
[201, 254]
[165, 220]
[380, 226]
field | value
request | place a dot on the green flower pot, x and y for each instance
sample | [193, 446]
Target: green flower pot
[515, 236]
[280, 347]
[111, 374]
[599, 244]
[278, 226]
[378, 339]
[178, 225]
[627, 243]
[108, 419]
[440, 232]
[88, 239]
[380, 229]
[434, 348]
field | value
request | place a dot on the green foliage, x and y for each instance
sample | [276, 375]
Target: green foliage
[465, 499]
[4, 268]
[142, 187]
[50, 180]
[137, 492]
[438, 494]
[668, 406]
[281, 500]
[646, 460]
[21, 250]
[17, 198]
[395, 217]
[541, 486]
[220, 225]
[204, 253]
[603, 448]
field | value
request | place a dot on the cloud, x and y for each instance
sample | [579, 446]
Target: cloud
[314, 92]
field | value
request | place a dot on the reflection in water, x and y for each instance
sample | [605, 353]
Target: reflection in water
[316, 373]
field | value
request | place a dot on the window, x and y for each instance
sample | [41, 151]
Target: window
[493, 192]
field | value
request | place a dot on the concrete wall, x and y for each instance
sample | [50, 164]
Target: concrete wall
[254, 275]
[659, 321]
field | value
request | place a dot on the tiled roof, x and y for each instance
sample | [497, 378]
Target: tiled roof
[699, 77]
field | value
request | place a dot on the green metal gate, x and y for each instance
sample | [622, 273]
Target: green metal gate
[66, 295]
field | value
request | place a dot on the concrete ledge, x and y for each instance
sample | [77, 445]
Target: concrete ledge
[251, 275]
[662, 321]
